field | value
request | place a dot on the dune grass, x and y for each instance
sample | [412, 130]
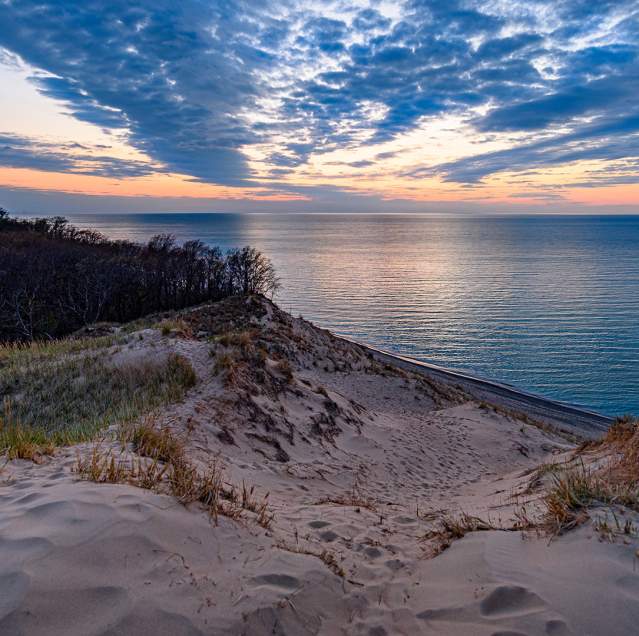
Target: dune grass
[66, 391]
[613, 479]
[160, 464]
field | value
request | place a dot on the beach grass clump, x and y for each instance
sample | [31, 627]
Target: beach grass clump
[61, 393]
[568, 499]
[244, 340]
[160, 464]
[149, 440]
[20, 442]
[621, 431]
[611, 479]
[230, 368]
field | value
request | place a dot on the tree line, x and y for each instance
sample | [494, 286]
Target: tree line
[56, 278]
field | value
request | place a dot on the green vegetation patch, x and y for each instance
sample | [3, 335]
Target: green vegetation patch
[62, 393]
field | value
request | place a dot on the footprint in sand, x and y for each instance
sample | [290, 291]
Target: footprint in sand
[276, 580]
[329, 536]
[14, 586]
[629, 586]
[557, 628]
[510, 600]
[394, 565]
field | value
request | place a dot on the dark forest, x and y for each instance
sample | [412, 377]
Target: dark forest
[56, 278]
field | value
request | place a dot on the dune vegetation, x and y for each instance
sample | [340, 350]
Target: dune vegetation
[66, 391]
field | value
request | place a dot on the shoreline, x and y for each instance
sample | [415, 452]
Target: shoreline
[560, 415]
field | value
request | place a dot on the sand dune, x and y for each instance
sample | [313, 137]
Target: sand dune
[361, 462]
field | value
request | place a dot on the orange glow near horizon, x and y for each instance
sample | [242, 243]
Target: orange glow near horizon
[497, 189]
[158, 185]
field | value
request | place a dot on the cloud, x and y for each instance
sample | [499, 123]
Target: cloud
[176, 76]
[194, 84]
[609, 140]
[20, 152]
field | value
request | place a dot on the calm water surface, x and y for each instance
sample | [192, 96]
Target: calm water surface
[549, 304]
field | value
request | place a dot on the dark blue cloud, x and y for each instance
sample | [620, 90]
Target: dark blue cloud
[597, 96]
[370, 19]
[177, 75]
[325, 34]
[19, 152]
[423, 66]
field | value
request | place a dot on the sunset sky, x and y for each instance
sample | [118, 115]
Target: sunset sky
[359, 105]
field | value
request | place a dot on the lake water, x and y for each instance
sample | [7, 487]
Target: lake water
[549, 304]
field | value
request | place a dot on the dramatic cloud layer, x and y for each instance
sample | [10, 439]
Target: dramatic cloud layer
[251, 92]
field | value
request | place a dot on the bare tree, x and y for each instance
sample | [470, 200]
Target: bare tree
[250, 272]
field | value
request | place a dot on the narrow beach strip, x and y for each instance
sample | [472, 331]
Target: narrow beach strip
[559, 415]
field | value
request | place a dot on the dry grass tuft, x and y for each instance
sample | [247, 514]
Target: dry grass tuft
[231, 367]
[180, 372]
[284, 367]
[175, 327]
[621, 431]
[452, 528]
[244, 340]
[609, 531]
[355, 497]
[567, 500]
[327, 557]
[158, 443]
[612, 478]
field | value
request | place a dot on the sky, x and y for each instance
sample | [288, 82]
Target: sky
[324, 106]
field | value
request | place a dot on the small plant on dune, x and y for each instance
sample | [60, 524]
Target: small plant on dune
[244, 340]
[259, 507]
[355, 497]
[540, 474]
[181, 371]
[621, 431]
[608, 531]
[569, 497]
[225, 362]
[102, 467]
[284, 367]
[229, 366]
[575, 491]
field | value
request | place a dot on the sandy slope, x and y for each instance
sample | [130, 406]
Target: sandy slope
[360, 461]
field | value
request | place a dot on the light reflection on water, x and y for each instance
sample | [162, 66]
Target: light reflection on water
[549, 304]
